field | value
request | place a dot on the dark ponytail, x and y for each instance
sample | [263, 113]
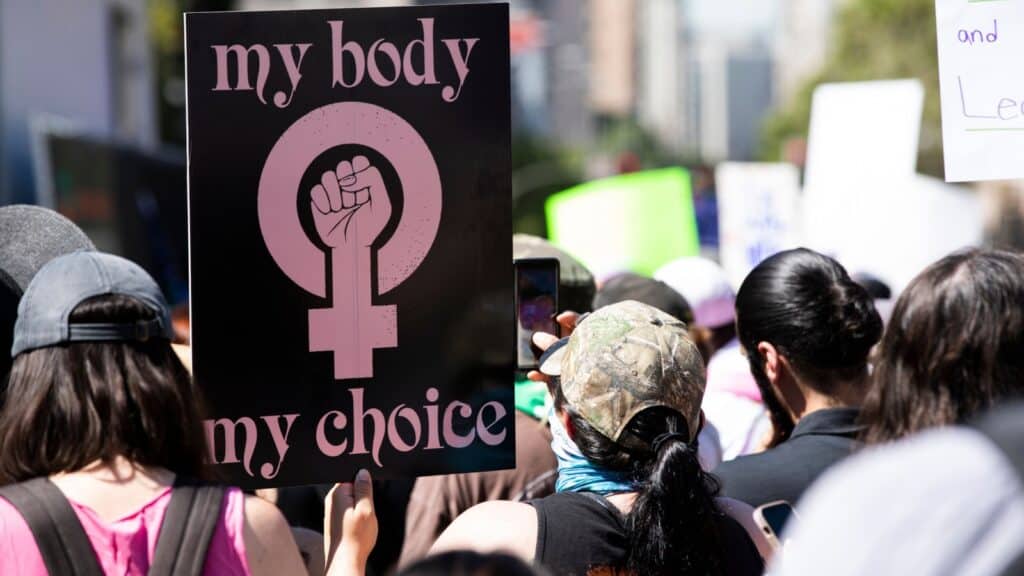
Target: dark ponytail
[671, 525]
[672, 528]
[807, 306]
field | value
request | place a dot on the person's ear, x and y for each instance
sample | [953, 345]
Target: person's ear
[567, 424]
[772, 361]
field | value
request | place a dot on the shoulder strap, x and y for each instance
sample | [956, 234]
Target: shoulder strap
[605, 503]
[187, 529]
[59, 535]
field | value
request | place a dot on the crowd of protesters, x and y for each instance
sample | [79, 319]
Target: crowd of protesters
[670, 408]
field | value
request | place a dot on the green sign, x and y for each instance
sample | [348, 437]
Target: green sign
[633, 222]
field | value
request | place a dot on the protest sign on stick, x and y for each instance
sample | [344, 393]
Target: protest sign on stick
[982, 88]
[350, 232]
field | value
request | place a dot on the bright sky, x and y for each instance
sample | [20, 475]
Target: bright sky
[741, 17]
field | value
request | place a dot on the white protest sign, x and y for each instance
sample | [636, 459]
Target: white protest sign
[758, 214]
[906, 225]
[863, 202]
[862, 150]
[982, 87]
[863, 131]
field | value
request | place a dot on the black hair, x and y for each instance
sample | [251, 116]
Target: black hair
[69, 405]
[721, 336]
[578, 297]
[466, 563]
[954, 346]
[629, 286]
[671, 526]
[878, 289]
[825, 324]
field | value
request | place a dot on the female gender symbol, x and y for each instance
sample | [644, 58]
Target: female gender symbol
[352, 327]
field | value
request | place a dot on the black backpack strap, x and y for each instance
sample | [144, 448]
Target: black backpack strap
[187, 529]
[59, 535]
[1004, 427]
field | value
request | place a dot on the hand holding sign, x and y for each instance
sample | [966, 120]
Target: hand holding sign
[351, 204]
[350, 525]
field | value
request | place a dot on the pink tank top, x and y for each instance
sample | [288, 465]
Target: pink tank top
[125, 547]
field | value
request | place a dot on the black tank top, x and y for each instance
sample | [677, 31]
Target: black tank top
[582, 534]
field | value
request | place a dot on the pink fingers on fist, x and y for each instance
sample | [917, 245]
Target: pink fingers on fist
[350, 204]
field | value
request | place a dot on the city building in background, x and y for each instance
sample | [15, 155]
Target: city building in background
[697, 75]
[801, 43]
[92, 101]
[78, 118]
[79, 66]
[709, 71]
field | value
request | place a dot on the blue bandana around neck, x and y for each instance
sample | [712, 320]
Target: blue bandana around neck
[576, 473]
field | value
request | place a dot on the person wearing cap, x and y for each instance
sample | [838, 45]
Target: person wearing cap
[102, 418]
[30, 236]
[631, 495]
[629, 286]
[436, 501]
[732, 401]
[807, 330]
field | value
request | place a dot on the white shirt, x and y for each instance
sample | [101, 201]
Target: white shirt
[741, 423]
[944, 502]
[729, 402]
[709, 447]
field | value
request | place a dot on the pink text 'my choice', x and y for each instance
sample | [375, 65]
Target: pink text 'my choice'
[404, 428]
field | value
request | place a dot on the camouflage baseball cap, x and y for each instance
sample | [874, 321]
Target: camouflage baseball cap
[623, 359]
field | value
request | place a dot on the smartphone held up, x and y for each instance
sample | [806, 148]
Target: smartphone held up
[536, 306]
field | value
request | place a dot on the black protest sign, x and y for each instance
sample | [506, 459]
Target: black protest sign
[350, 240]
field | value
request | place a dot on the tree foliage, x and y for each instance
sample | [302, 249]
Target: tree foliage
[167, 42]
[540, 168]
[873, 40]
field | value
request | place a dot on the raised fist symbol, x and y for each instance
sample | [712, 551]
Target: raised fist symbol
[350, 204]
[352, 267]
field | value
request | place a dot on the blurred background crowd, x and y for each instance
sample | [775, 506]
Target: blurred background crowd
[92, 109]
[646, 133]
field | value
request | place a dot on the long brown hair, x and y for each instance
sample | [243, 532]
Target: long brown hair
[954, 346]
[70, 405]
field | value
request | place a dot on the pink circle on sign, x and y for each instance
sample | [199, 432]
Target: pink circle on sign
[315, 133]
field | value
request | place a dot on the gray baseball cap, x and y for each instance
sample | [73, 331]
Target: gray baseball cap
[571, 272]
[31, 236]
[65, 282]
